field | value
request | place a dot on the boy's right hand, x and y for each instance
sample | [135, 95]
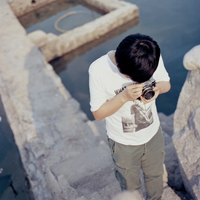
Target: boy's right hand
[132, 92]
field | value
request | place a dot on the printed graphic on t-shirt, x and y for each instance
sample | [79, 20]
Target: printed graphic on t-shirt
[119, 90]
[141, 116]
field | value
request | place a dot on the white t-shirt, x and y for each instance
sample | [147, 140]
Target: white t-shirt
[135, 123]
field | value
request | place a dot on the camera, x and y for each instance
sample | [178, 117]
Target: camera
[147, 91]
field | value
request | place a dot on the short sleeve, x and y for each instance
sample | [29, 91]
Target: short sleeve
[97, 88]
[161, 74]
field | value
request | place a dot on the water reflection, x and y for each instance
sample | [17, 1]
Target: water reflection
[60, 64]
[13, 180]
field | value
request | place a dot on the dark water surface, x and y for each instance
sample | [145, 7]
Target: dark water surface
[13, 182]
[173, 24]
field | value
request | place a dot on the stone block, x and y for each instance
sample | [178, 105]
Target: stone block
[191, 60]
[81, 198]
[67, 191]
[104, 6]
[38, 37]
[103, 184]
[84, 164]
[169, 194]
[186, 126]
[37, 147]
[53, 185]
[51, 37]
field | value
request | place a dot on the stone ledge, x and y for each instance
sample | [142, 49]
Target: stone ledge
[191, 59]
[39, 109]
[118, 13]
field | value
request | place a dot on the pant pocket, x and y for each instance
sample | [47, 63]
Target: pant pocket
[120, 174]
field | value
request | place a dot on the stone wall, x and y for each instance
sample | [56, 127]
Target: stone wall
[186, 124]
[118, 13]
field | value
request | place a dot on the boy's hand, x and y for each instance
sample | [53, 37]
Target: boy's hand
[157, 92]
[132, 92]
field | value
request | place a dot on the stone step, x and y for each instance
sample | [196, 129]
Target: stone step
[85, 164]
[100, 186]
[168, 193]
[73, 144]
[80, 198]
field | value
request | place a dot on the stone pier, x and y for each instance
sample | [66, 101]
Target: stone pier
[64, 154]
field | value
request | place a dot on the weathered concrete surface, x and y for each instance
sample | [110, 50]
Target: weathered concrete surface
[21, 7]
[85, 162]
[106, 6]
[118, 13]
[169, 194]
[40, 111]
[186, 125]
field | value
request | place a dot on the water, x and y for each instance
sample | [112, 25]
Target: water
[82, 16]
[175, 26]
[13, 181]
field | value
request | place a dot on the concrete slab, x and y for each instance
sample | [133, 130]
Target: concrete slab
[85, 164]
[102, 185]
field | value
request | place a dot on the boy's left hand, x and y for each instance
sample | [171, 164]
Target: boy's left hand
[157, 92]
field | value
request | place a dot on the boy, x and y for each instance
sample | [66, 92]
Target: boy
[117, 82]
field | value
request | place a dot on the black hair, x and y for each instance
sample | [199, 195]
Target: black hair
[137, 56]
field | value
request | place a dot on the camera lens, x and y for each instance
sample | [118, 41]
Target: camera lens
[148, 94]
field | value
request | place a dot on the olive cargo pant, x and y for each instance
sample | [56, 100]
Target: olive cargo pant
[128, 161]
